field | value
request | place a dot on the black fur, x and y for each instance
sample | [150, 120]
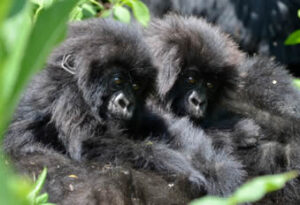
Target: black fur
[180, 44]
[73, 114]
[258, 26]
[269, 97]
[66, 109]
[254, 107]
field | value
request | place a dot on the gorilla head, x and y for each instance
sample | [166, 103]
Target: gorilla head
[97, 80]
[102, 61]
[197, 64]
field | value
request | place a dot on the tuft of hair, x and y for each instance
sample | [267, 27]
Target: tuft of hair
[178, 42]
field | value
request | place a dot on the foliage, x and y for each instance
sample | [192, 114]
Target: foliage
[118, 9]
[34, 197]
[25, 42]
[294, 38]
[252, 191]
[297, 82]
[24, 46]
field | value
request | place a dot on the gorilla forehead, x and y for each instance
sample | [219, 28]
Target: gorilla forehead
[107, 42]
[182, 42]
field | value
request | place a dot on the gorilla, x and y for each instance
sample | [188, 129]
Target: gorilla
[91, 93]
[247, 104]
[87, 109]
[258, 26]
[269, 97]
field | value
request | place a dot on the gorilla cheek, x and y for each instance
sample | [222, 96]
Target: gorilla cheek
[121, 106]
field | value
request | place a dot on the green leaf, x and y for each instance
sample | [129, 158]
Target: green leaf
[297, 82]
[121, 13]
[38, 185]
[140, 12]
[97, 4]
[252, 191]
[43, 3]
[13, 37]
[76, 14]
[88, 10]
[294, 38]
[48, 30]
[43, 198]
[4, 9]
[48, 204]
[17, 7]
[13, 189]
[106, 13]
[258, 187]
[210, 200]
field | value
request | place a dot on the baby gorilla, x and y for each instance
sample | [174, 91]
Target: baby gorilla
[88, 105]
[198, 67]
[246, 103]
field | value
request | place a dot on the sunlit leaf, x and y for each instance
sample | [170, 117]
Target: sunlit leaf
[43, 38]
[252, 191]
[13, 189]
[294, 38]
[97, 4]
[17, 7]
[106, 13]
[122, 14]
[38, 185]
[43, 198]
[88, 10]
[4, 9]
[76, 13]
[140, 12]
[297, 82]
[255, 189]
[14, 35]
[43, 3]
[210, 200]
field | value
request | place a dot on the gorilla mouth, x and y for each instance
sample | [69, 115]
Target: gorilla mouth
[197, 112]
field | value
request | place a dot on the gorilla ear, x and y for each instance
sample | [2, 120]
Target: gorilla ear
[67, 63]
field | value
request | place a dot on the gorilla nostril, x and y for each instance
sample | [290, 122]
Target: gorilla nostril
[195, 101]
[122, 103]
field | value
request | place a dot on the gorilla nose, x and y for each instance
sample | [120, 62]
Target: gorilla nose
[124, 105]
[195, 100]
[122, 101]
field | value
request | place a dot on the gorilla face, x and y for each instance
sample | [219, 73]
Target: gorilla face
[115, 93]
[123, 101]
[191, 94]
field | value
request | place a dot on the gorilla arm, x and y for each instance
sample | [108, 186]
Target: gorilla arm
[146, 154]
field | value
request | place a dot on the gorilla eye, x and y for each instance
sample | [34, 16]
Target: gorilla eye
[209, 85]
[118, 80]
[191, 80]
[135, 86]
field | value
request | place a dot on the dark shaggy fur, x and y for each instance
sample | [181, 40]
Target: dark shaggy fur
[254, 105]
[269, 97]
[87, 105]
[258, 26]
[67, 118]
[177, 45]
